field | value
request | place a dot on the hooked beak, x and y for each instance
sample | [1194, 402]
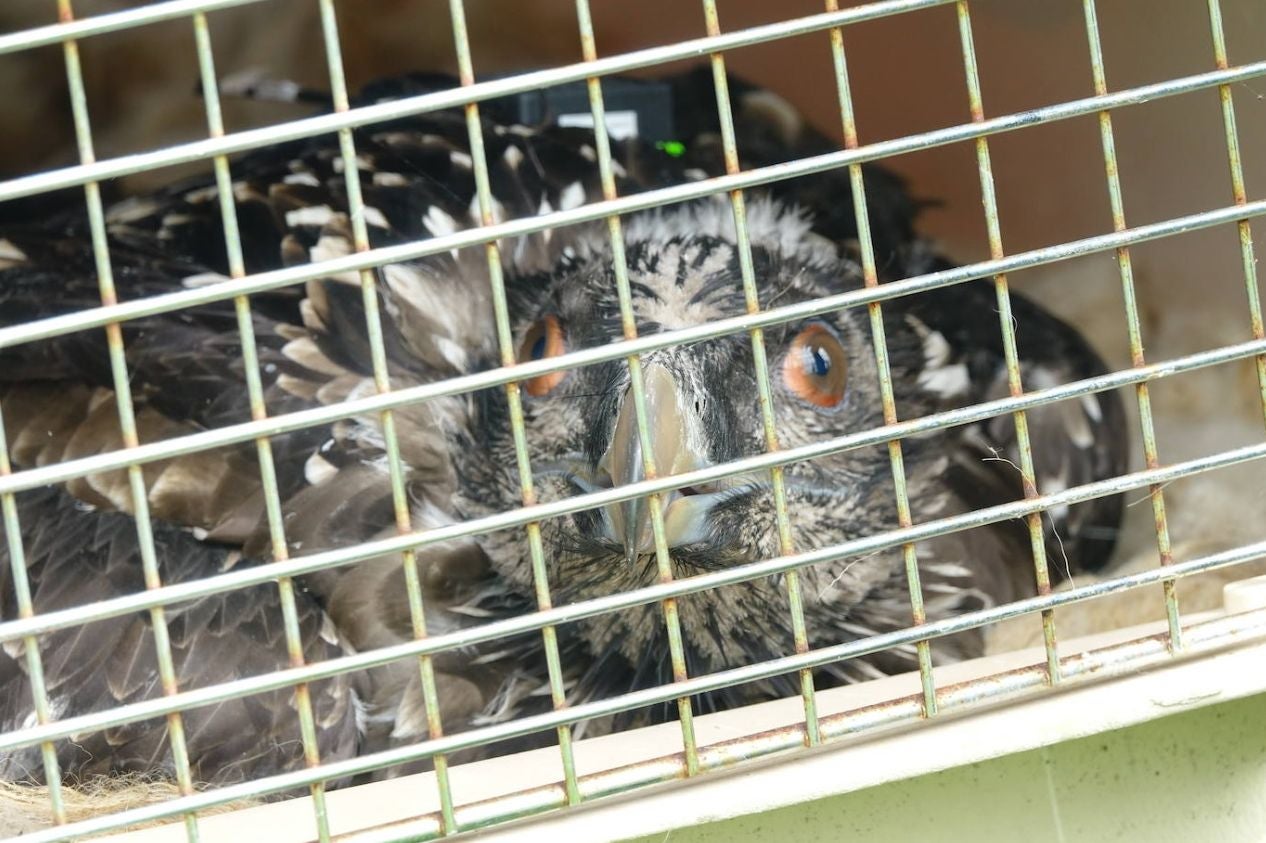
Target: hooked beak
[671, 452]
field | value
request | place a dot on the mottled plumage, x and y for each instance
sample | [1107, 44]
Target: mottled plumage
[187, 374]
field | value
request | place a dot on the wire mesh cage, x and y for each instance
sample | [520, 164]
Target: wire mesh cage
[308, 528]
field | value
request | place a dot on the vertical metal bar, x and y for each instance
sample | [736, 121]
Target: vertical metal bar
[382, 384]
[1239, 192]
[505, 344]
[259, 411]
[127, 415]
[628, 321]
[870, 277]
[1134, 328]
[30, 644]
[760, 361]
[1015, 386]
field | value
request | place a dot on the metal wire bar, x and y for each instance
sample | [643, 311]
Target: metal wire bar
[648, 594]
[255, 393]
[30, 644]
[518, 432]
[459, 97]
[77, 30]
[1133, 325]
[1033, 515]
[786, 546]
[41, 36]
[964, 695]
[1239, 192]
[637, 389]
[162, 11]
[382, 385]
[48, 621]
[1013, 685]
[923, 649]
[1015, 384]
[232, 434]
[127, 417]
[276, 279]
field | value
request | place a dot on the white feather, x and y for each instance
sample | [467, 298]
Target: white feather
[301, 178]
[202, 279]
[317, 469]
[312, 215]
[389, 179]
[375, 217]
[572, 196]
[438, 223]
[946, 381]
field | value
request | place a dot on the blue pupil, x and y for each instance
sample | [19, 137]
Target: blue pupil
[816, 361]
[538, 348]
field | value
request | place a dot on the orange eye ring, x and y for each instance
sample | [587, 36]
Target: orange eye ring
[815, 369]
[543, 340]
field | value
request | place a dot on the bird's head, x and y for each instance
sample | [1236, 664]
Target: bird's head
[701, 409]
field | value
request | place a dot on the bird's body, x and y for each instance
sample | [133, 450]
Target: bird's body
[186, 374]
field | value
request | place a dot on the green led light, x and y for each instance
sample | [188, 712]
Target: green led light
[676, 149]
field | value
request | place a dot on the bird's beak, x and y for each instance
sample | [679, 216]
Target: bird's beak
[670, 437]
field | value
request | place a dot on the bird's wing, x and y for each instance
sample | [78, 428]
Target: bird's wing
[76, 557]
[186, 374]
[960, 361]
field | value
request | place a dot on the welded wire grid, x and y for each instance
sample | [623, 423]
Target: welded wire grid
[28, 626]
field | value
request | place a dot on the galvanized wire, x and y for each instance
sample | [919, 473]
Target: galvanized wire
[127, 417]
[637, 390]
[1133, 324]
[1012, 686]
[232, 434]
[1239, 193]
[76, 29]
[276, 279]
[30, 644]
[1136, 655]
[1015, 384]
[382, 385]
[255, 393]
[760, 364]
[27, 626]
[480, 91]
[593, 607]
[923, 649]
[48, 621]
[514, 401]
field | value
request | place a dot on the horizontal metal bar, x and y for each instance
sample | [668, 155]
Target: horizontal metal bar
[244, 577]
[114, 21]
[75, 30]
[448, 744]
[328, 123]
[1012, 686]
[452, 98]
[276, 279]
[731, 576]
[246, 431]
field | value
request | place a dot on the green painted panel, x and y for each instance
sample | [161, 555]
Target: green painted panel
[1195, 776]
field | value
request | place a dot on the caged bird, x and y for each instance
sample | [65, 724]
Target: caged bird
[186, 374]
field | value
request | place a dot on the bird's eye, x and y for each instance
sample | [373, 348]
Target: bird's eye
[543, 340]
[816, 367]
